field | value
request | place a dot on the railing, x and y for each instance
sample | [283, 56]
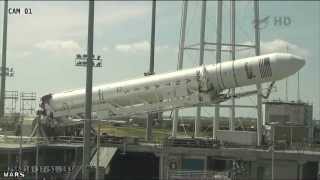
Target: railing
[23, 139]
[196, 175]
[176, 142]
[192, 142]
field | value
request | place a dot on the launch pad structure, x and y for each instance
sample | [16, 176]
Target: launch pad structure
[219, 45]
[249, 155]
[172, 159]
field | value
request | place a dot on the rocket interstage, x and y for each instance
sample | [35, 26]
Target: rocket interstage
[184, 88]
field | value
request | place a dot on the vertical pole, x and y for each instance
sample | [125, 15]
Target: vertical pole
[257, 52]
[300, 166]
[88, 108]
[319, 88]
[20, 144]
[180, 60]
[298, 89]
[291, 136]
[286, 88]
[153, 26]
[202, 31]
[37, 160]
[233, 56]
[218, 60]
[287, 98]
[151, 67]
[76, 155]
[272, 155]
[197, 122]
[175, 123]
[4, 60]
[9, 162]
[161, 166]
[98, 153]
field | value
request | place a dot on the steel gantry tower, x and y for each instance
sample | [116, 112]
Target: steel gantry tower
[220, 47]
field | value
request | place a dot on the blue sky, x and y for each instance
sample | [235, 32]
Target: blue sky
[42, 46]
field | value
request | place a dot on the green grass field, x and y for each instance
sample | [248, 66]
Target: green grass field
[139, 132]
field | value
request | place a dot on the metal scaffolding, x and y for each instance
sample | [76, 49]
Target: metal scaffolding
[218, 60]
[28, 102]
[231, 48]
[12, 98]
[197, 122]
[233, 57]
[257, 51]
[180, 61]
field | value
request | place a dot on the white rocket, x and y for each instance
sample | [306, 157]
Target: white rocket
[184, 88]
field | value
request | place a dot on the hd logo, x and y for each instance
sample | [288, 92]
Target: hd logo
[13, 174]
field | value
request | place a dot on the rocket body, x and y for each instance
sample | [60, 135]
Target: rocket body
[184, 88]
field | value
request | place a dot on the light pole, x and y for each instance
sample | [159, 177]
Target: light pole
[81, 60]
[88, 107]
[8, 71]
[151, 67]
[96, 61]
[4, 60]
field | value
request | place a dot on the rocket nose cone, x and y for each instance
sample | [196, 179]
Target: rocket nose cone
[297, 62]
[290, 63]
[286, 65]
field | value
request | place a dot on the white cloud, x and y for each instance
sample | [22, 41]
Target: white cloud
[279, 45]
[23, 54]
[105, 49]
[59, 46]
[26, 53]
[68, 20]
[123, 47]
[138, 47]
[276, 45]
[118, 14]
[135, 47]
